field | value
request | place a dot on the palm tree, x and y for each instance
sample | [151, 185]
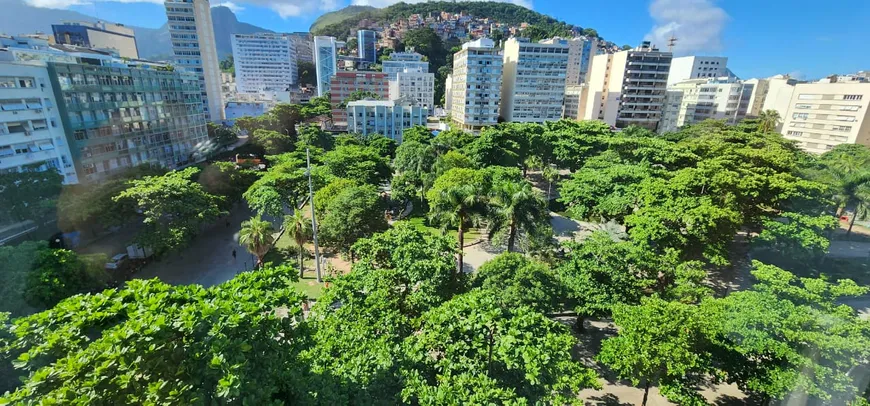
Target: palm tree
[850, 190]
[299, 229]
[550, 174]
[768, 120]
[256, 236]
[515, 206]
[457, 204]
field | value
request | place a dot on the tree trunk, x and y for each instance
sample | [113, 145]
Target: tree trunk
[645, 393]
[549, 186]
[301, 269]
[852, 221]
[259, 261]
[512, 236]
[460, 235]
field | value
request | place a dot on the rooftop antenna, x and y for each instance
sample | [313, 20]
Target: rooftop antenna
[672, 42]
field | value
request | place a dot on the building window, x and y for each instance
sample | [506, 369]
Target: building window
[795, 133]
[853, 97]
[802, 116]
[803, 106]
[809, 96]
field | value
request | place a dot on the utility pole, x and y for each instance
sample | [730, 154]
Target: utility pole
[672, 41]
[313, 218]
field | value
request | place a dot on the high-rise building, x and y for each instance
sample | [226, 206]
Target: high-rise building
[367, 45]
[193, 44]
[448, 93]
[821, 116]
[343, 84]
[404, 62]
[533, 80]
[695, 100]
[477, 70]
[580, 53]
[414, 85]
[575, 99]
[264, 62]
[325, 62]
[303, 42]
[697, 67]
[780, 89]
[389, 118]
[31, 131]
[628, 87]
[99, 35]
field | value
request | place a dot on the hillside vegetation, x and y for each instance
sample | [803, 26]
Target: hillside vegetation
[507, 13]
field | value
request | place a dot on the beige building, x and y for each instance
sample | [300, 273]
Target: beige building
[476, 85]
[533, 80]
[575, 102]
[99, 35]
[773, 93]
[419, 86]
[193, 44]
[628, 87]
[580, 53]
[821, 116]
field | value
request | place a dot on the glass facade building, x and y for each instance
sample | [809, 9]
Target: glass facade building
[117, 117]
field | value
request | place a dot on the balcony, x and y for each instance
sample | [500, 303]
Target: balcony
[26, 158]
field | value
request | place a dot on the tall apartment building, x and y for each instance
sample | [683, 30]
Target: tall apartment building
[303, 42]
[264, 62]
[778, 94]
[575, 100]
[414, 85]
[193, 44]
[367, 45]
[696, 100]
[325, 62]
[99, 35]
[31, 132]
[477, 71]
[409, 62]
[580, 53]
[821, 116]
[695, 67]
[533, 80]
[628, 87]
[389, 118]
[448, 93]
[343, 84]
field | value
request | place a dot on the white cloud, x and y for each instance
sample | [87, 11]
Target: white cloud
[384, 3]
[235, 8]
[697, 24]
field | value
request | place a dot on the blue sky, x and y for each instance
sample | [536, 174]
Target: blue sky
[807, 38]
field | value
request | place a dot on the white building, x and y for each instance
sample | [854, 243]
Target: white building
[264, 61]
[575, 101]
[477, 70]
[533, 83]
[193, 44]
[628, 87]
[31, 131]
[448, 93]
[821, 116]
[695, 67]
[404, 62]
[580, 53]
[325, 62]
[696, 100]
[389, 118]
[414, 85]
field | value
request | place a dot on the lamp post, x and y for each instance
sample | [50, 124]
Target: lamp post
[313, 219]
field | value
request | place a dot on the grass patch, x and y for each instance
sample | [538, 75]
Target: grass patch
[309, 286]
[420, 224]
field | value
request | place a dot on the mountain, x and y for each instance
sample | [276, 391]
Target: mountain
[153, 43]
[338, 16]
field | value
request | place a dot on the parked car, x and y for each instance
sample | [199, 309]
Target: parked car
[117, 262]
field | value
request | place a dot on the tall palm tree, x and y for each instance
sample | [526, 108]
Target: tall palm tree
[457, 204]
[768, 120]
[550, 174]
[256, 236]
[299, 229]
[514, 207]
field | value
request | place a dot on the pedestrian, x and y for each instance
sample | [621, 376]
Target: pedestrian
[234, 254]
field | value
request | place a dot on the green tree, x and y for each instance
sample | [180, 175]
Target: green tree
[451, 159]
[519, 281]
[173, 208]
[514, 207]
[327, 194]
[299, 228]
[312, 136]
[491, 353]
[273, 142]
[413, 164]
[226, 343]
[58, 274]
[307, 72]
[220, 136]
[796, 236]
[385, 147]
[228, 65]
[358, 95]
[659, 343]
[30, 194]
[454, 200]
[16, 264]
[356, 212]
[359, 163]
[256, 236]
[225, 180]
[769, 119]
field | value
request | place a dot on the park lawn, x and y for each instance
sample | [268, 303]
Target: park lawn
[284, 252]
[420, 224]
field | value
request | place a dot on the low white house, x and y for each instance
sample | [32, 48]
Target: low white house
[386, 117]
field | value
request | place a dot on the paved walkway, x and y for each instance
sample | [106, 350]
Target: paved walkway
[208, 260]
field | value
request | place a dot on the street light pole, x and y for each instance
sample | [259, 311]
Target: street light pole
[313, 218]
